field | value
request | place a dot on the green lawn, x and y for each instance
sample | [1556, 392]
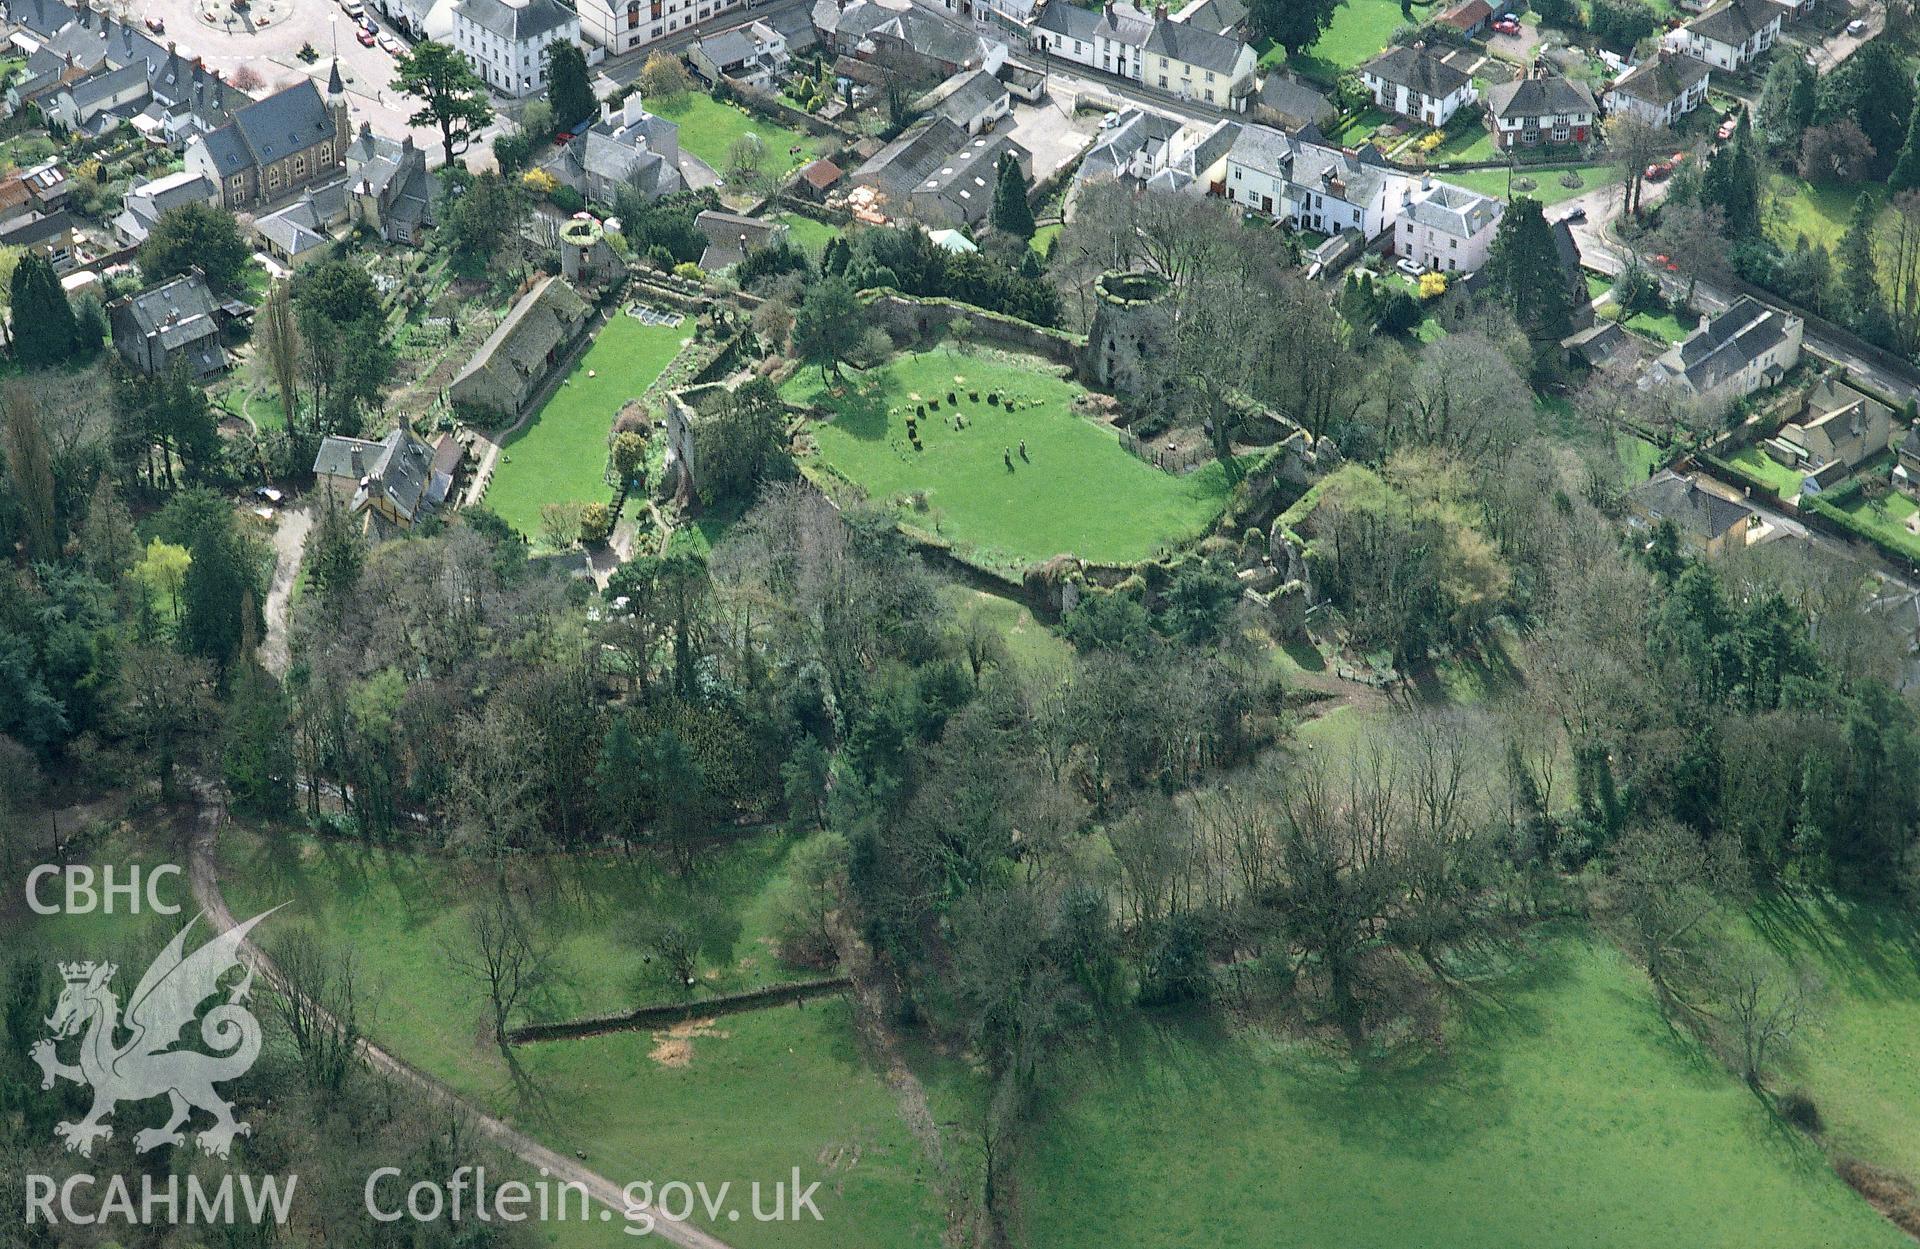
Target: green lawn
[760, 1093]
[1785, 481]
[1043, 238]
[709, 127]
[1886, 517]
[1360, 30]
[1077, 492]
[561, 453]
[1473, 143]
[1567, 1113]
[1638, 457]
[1667, 326]
[1862, 1060]
[808, 235]
[1547, 188]
[1820, 212]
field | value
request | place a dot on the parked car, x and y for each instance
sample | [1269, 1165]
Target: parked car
[1658, 170]
[157, 25]
[365, 37]
[1856, 27]
[352, 8]
[1578, 213]
[365, 22]
[1505, 27]
[390, 45]
[1728, 128]
[1409, 266]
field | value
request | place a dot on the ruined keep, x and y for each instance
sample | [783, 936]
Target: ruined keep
[1131, 324]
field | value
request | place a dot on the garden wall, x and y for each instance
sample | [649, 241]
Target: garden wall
[911, 317]
[677, 1012]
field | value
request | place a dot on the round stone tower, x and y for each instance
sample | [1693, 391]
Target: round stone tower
[1131, 324]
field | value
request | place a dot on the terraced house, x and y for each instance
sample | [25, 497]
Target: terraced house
[1314, 186]
[1198, 64]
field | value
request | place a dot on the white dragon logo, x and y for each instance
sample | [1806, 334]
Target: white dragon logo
[165, 1001]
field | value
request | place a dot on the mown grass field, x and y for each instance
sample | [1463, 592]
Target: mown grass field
[560, 454]
[757, 1094]
[1566, 1112]
[1077, 490]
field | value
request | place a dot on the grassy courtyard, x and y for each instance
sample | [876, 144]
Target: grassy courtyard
[1569, 1113]
[742, 1098]
[1077, 490]
[709, 127]
[560, 454]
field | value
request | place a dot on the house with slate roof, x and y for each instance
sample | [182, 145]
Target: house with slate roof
[1198, 64]
[178, 320]
[1446, 228]
[388, 188]
[1748, 347]
[1415, 82]
[273, 147]
[518, 357]
[1661, 89]
[507, 43]
[1706, 521]
[1314, 186]
[388, 485]
[1731, 36]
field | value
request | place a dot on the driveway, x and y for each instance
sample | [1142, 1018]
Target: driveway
[289, 544]
[1052, 130]
[1828, 54]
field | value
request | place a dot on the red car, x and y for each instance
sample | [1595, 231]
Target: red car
[365, 37]
[1507, 28]
[1658, 170]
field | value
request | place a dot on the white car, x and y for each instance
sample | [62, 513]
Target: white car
[1856, 26]
[389, 45]
[1409, 266]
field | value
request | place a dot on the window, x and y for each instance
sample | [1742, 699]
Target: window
[633, 14]
[299, 166]
[1163, 62]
